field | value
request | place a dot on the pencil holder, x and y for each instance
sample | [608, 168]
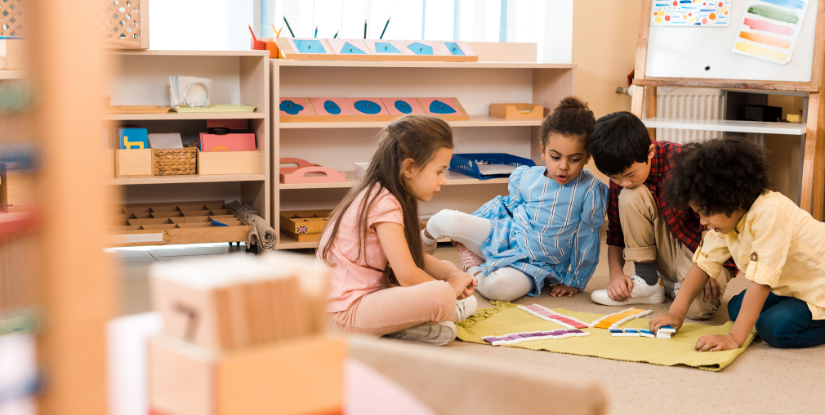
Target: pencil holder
[168, 162]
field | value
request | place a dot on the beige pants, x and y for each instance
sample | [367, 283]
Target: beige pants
[647, 239]
[397, 308]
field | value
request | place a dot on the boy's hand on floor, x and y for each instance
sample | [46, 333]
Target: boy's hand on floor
[619, 288]
[666, 319]
[712, 291]
[716, 343]
[560, 290]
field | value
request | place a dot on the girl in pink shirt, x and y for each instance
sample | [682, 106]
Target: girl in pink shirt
[382, 282]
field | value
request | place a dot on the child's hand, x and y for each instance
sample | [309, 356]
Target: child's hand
[716, 343]
[470, 289]
[666, 319]
[461, 281]
[560, 290]
[619, 288]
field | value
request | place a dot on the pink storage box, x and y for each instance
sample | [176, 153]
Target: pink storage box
[228, 142]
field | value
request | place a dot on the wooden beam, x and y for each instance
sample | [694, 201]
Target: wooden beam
[641, 42]
[819, 46]
[650, 108]
[637, 102]
[728, 84]
[74, 284]
[813, 167]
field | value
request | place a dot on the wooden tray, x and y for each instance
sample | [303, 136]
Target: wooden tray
[514, 111]
[305, 221]
[175, 223]
[299, 174]
[137, 109]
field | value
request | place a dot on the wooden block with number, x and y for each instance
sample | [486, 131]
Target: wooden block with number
[302, 376]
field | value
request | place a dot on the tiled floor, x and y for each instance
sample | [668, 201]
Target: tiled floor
[763, 380]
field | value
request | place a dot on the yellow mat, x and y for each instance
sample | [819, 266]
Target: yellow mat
[505, 318]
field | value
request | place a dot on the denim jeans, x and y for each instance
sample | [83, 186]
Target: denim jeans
[784, 322]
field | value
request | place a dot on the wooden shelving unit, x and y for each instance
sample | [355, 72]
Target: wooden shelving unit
[238, 77]
[506, 72]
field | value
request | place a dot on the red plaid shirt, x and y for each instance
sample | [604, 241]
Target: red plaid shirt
[683, 225]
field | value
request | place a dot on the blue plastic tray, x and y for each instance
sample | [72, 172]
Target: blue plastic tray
[467, 163]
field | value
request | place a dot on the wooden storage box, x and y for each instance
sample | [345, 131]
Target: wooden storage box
[304, 376]
[177, 161]
[133, 162]
[229, 162]
[176, 223]
[517, 111]
[305, 225]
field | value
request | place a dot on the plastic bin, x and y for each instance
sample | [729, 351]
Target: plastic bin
[467, 163]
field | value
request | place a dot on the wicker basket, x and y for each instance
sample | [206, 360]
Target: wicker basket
[175, 161]
[124, 24]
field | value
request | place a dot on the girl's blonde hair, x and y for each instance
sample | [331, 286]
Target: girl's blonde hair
[416, 137]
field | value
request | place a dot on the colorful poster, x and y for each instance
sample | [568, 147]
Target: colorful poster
[770, 29]
[690, 13]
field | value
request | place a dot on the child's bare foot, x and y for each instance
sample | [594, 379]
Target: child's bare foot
[561, 290]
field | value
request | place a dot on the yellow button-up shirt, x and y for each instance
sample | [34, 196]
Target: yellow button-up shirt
[775, 244]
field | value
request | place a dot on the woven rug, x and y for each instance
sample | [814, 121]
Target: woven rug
[505, 318]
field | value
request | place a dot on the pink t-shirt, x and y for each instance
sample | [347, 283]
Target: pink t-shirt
[353, 278]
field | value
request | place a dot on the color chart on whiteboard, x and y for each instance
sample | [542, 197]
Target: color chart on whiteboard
[691, 13]
[770, 29]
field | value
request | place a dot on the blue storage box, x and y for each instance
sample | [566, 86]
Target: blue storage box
[467, 163]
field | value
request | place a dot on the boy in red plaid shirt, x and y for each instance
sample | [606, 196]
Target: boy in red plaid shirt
[642, 227]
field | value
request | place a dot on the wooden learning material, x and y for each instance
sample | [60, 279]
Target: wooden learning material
[305, 225]
[175, 223]
[322, 109]
[534, 335]
[616, 319]
[517, 111]
[375, 50]
[706, 58]
[230, 303]
[226, 142]
[307, 172]
[220, 108]
[545, 313]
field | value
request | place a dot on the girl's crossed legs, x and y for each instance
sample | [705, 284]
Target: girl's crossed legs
[504, 283]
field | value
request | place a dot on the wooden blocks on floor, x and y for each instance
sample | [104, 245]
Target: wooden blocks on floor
[244, 334]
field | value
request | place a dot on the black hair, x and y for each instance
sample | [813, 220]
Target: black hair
[571, 118]
[619, 140]
[718, 176]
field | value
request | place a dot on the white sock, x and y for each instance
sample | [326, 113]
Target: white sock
[425, 239]
[475, 269]
[465, 308]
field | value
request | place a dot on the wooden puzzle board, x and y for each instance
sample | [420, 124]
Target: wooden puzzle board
[175, 223]
[322, 109]
[301, 49]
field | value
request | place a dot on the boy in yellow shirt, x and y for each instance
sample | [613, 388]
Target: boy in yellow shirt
[776, 245]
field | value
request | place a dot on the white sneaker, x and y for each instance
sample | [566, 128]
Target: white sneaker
[465, 308]
[671, 287]
[434, 334]
[642, 294]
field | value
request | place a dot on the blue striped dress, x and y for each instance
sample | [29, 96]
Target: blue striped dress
[546, 230]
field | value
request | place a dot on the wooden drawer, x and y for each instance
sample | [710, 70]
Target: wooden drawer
[169, 224]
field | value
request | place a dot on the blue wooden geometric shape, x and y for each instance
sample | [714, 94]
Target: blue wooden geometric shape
[332, 107]
[309, 46]
[348, 48]
[420, 49]
[403, 107]
[290, 107]
[438, 107]
[454, 48]
[367, 107]
[385, 47]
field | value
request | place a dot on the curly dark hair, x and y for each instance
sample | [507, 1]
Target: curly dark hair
[571, 117]
[718, 176]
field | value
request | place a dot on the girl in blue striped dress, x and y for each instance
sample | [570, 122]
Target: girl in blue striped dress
[546, 231]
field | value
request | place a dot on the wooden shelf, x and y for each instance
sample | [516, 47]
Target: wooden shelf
[453, 178]
[188, 116]
[13, 74]
[216, 178]
[286, 242]
[227, 53]
[412, 64]
[475, 121]
[785, 128]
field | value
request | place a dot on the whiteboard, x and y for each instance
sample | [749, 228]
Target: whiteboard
[706, 52]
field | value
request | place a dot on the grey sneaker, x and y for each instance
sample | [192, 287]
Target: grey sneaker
[465, 308]
[434, 334]
[671, 287]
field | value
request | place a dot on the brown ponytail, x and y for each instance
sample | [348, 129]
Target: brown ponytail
[572, 118]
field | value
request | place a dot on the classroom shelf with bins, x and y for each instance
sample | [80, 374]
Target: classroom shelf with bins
[506, 72]
[238, 77]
